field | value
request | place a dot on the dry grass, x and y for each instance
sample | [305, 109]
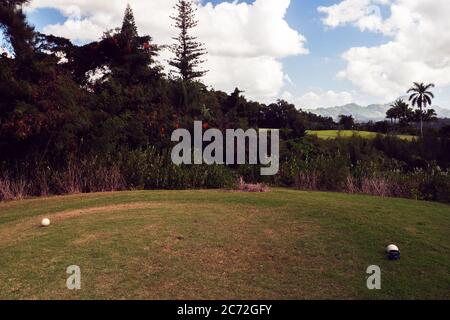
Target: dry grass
[307, 181]
[77, 178]
[250, 187]
[12, 189]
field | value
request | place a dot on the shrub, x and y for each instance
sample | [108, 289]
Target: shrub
[436, 187]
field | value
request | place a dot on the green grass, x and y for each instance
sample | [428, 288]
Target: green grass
[333, 134]
[283, 244]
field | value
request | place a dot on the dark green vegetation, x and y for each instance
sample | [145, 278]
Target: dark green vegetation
[99, 117]
[223, 245]
[403, 115]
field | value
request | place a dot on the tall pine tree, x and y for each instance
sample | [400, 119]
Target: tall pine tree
[18, 33]
[129, 58]
[128, 93]
[133, 60]
[129, 27]
[187, 50]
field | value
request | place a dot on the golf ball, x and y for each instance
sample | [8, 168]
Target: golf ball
[45, 222]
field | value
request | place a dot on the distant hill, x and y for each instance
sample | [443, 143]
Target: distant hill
[373, 112]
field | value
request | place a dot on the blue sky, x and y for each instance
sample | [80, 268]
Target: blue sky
[317, 71]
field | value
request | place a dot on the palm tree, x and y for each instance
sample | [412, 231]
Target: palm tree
[390, 114]
[430, 115]
[399, 110]
[420, 97]
[404, 112]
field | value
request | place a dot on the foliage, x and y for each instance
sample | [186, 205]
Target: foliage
[400, 111]
[99, 117]
[421, 96]
[187, 50]
[347, 122]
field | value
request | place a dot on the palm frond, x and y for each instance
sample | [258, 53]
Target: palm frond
[431, 85]
[413, 96]
[429, 93]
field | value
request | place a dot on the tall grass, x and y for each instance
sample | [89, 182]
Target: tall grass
[151, 169]
[135, 170]
[13, 189]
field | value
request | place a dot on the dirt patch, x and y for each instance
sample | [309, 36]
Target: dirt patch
[16, 230]
[113, 208]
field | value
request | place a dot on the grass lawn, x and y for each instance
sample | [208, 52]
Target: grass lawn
[333, 134]
[283, 244]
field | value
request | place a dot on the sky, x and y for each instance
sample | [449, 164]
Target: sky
[313, 53]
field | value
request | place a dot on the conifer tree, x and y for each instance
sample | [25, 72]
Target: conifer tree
[129, 58]
[17, 32]
[133, 56]
[129, 27]
[187, 50]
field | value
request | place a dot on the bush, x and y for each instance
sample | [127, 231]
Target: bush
[436, 187]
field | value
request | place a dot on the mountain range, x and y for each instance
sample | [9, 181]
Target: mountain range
[373, 112]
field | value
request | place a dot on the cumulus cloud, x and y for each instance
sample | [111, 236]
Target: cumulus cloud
[418, 49]
[365, 14]
[319, 99]
[245, 41]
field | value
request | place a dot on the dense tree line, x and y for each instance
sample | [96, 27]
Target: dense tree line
[60, 100]
[99, 116]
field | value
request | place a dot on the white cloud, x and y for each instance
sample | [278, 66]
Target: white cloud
[319, 99]
[245, 41]
[260, 78]
[365, 14]
[76, 29]
[419, 49]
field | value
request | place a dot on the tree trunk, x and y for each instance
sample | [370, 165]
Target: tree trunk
[421, 122]
[185, 96]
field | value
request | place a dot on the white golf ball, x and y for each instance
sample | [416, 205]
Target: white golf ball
[45, 222]
[392, 247]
